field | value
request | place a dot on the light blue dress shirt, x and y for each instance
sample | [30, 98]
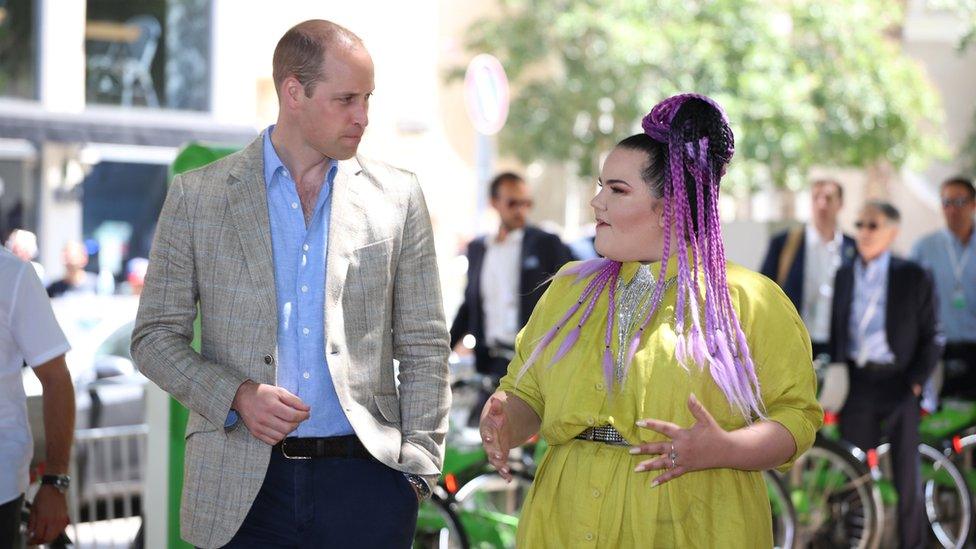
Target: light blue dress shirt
[958, 317]
[300, 274]
[866, 325]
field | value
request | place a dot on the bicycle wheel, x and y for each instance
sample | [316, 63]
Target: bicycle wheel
[438, 526]
[948, 502]
[784, 515]
[489, 507]
[836, 502]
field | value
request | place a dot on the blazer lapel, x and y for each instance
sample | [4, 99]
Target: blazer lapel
[345, 223]
[843, 297]
[892, 314]
[248, 200]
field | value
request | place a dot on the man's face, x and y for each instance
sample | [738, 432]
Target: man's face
[333, 120]
[74, 256]
[875, 233]
[513, 204]
[826, 202]
[957, 207]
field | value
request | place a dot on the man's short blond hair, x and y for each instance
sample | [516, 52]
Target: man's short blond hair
[301, 51]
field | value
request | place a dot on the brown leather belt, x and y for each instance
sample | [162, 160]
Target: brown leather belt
[347, 446]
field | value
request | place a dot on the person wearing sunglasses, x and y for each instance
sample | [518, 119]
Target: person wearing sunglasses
[884, 324]
[950, 254]
[508, 272]
[804, 259]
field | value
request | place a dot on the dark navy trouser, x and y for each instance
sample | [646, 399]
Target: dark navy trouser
[330, 502]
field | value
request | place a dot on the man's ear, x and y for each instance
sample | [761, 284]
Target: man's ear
[291, 92]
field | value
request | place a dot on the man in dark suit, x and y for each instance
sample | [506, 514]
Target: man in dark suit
[507, 274]
[803, 261]
[885, 325]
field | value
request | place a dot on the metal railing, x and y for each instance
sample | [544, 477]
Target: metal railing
[108, 470]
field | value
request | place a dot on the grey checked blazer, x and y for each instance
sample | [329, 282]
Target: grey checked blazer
[212, 250]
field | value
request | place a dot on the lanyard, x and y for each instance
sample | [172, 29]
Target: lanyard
[958, 262]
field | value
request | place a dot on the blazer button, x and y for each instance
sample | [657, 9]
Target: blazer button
[268, 359]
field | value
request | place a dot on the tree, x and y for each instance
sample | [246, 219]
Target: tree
[804, 82]
[966, 9]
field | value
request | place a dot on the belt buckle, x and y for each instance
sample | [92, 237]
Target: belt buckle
[284, 452]
[591, 434]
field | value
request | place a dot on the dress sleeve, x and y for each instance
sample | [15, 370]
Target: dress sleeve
[780, 347]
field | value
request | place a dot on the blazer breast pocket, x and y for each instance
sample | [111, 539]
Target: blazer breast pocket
[371, 263]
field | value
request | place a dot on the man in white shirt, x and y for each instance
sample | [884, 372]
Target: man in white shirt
[804, 259]
[507, 274]
[29, 334]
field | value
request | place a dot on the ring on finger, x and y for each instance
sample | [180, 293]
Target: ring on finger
[674, 457]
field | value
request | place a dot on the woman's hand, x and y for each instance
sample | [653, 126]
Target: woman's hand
[495, 437]
[693, 449]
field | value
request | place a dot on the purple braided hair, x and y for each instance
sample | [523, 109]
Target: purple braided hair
[699, 145]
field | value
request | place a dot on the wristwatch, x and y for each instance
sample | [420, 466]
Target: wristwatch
[420, 484]
[61, 482]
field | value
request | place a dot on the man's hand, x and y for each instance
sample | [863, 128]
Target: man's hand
[48, 517]
[269, 412]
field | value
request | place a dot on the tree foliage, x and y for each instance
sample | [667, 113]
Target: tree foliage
[805, 82]
[966, 9]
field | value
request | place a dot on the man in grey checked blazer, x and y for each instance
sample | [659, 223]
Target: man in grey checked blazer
[216, 249]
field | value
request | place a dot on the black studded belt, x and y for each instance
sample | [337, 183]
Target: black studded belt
[605, 434]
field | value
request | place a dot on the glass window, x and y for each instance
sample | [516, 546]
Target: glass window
[17, 49]
[152, 53]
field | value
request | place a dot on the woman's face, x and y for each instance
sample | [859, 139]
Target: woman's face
[629, 223]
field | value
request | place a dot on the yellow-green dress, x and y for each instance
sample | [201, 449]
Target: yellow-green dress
[586, 494]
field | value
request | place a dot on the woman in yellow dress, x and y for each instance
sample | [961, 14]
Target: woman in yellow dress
[663, 378]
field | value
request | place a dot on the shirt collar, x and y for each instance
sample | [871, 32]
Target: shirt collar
[956, 242]
[273, 163]
[813, 236]
[514, 237]
[873, 268]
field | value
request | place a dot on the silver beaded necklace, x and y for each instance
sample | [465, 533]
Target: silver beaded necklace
[633, 302]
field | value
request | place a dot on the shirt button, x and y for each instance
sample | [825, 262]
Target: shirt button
[304, 289]
[599, 386]
[305, 331]
[305, 247]
[294, 205]
[596, 493]
[306, 375]
[590, 421]
[589, 536]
